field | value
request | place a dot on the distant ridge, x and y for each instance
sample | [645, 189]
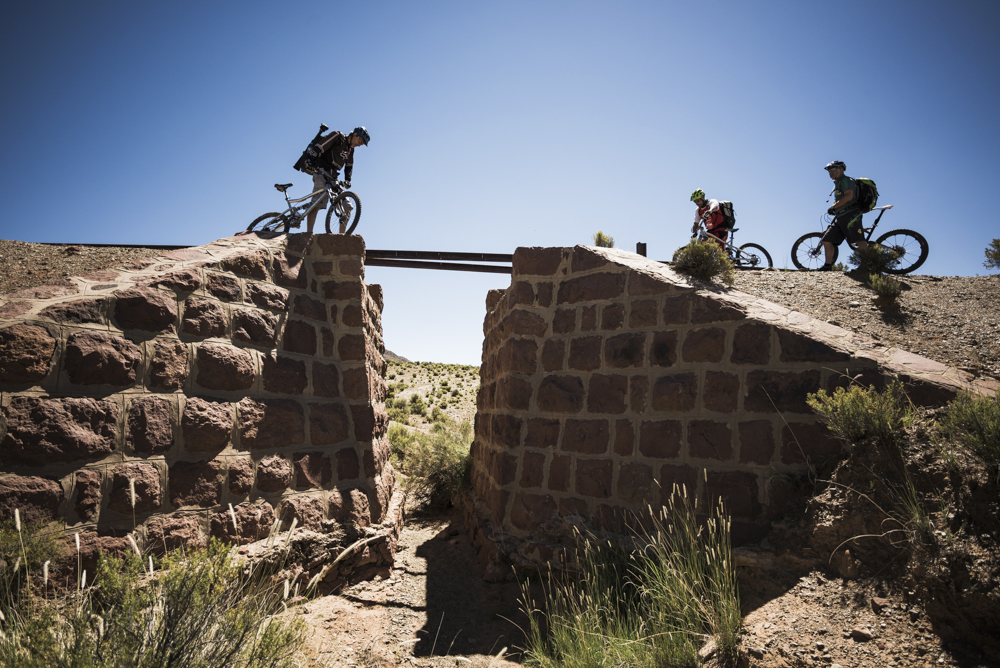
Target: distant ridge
[389, 355]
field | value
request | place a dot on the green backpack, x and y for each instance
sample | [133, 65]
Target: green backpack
[867, 196]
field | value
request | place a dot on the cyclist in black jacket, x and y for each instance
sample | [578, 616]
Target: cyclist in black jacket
[337, 152]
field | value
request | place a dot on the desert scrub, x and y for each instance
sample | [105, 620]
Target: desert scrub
[200, 609]
[974, 420]
[887, 288]
[603, 240]
[653, 606]
[704, 260]
[417, 405]
[859, 413]
[435, 465]
[874, 259]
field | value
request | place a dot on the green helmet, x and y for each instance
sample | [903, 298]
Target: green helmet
[697, 195]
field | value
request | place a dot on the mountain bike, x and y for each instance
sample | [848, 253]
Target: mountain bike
[747, 256]
[909, 247]
[344, 207]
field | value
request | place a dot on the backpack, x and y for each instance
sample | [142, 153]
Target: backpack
[727, 213]
[312, 159]
[867, 196]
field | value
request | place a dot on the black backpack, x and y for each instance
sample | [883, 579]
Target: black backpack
[727, 213]
[312, 160]
[867, 195]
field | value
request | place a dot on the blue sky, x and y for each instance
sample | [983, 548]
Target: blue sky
[497, 125]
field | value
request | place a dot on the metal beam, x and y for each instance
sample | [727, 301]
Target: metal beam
[438, 255]
[448, 266]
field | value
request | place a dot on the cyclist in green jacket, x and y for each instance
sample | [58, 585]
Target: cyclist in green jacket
[846, 212]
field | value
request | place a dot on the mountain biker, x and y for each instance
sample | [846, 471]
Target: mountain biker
[709, 212]
[337, 151]
[846, 212]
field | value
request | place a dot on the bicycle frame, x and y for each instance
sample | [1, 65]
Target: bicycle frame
[869, 231]
[729, 245]
[297, 214]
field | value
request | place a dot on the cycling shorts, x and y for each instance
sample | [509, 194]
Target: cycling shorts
[846, 225]
[319, 183]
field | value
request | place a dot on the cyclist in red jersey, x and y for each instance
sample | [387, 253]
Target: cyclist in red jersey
[710, 213]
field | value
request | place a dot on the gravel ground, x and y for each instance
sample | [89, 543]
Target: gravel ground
[951, 319]
[28, 265]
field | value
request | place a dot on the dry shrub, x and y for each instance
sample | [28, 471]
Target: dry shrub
[705, 260]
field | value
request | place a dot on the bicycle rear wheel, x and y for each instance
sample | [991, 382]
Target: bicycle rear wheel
[807, 252]
[753, 256]
[273, 222]
[346, 205]
[910, 247]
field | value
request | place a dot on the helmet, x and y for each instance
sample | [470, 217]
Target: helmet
[697, 195]
[835, 164]
[360, 131]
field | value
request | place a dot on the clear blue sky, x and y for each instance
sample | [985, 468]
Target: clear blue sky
[496, 125]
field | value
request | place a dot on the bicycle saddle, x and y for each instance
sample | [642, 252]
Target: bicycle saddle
[282, 187]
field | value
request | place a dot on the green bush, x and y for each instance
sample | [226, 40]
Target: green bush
[975, 420]
[887, 288]
[201, 609]
[874, 259]
[436, 465]
[993, 255]
[417, 405]
[861, 413]
[650, 607]
[704, 260]
[603, 240]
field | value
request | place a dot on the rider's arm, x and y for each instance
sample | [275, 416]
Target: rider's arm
[846, 199]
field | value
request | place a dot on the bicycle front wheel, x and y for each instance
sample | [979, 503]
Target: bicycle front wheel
[807, 252]
[910, 247]
[272, 222]
[753, 256]
[345, 208]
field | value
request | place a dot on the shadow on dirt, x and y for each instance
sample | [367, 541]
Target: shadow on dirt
[465, 615]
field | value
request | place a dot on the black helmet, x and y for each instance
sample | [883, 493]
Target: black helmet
[361, 132]
[833, 165]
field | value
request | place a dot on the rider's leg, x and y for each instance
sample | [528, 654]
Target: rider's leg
[345, 214]
[828, 252]
[319, 183]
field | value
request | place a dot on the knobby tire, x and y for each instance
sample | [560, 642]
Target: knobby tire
[741, 262]
[908, 242]
[333, 222]
[269, 222]
[802, 248]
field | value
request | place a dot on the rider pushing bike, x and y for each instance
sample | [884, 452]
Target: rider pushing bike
[711, 214]
[335, 151]
[846, 212]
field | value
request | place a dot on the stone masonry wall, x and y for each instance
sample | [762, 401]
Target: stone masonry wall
[247, 372]
[608, 378]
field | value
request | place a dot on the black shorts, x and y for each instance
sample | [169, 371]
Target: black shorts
[847, 225]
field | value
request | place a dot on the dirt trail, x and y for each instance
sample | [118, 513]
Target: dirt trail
[435, 609]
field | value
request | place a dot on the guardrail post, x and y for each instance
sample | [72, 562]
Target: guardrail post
[640, 248]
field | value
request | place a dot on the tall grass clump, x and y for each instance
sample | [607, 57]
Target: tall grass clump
[859, 413]
[975, 420]
[993, 255]
[436, 465]
[603, 240]
[705, 260]
[201, 609]
[647, 607]
[26, 548]
[874, 259]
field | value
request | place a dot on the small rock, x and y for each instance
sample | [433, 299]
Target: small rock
[854, 304]
[757, 652]
[914, 614]
[879, 603]
[862, 634]
[820, 645]
[708, 650]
